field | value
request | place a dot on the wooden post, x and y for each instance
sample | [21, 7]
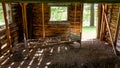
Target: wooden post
[117, 28]
[99, 20]
[106, 21]
[0, 48]
[101, 31]
[103, 26]
[81, 18]
[23, 5]
[7, 27]
[43, 20]
[75, 18]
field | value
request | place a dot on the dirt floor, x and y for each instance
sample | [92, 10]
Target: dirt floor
[92, 54]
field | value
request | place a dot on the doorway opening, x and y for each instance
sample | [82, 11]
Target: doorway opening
[90, 19]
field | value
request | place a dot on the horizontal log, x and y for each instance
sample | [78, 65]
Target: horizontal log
[63, 1]
[3, 46]
[3, 37]
[52, 45]
[115, 10]
[108, 40]
[14, 30]
[2, 32]
[14, 43]
[4, 50]
[12, 25]
[112, 25]
[16, 39]
[4, 56]
[2, 42]
[56, 29]
[112, 29]
[115, 6]
[14, 34]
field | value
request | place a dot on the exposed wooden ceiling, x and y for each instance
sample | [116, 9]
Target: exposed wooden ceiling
[54, 1]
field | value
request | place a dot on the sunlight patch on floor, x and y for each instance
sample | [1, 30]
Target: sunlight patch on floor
[88, 33]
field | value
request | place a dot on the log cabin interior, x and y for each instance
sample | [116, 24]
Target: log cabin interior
[31, 38]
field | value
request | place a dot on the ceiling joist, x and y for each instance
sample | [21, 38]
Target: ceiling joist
[59, 1]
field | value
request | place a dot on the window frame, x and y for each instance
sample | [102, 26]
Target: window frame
[59, 22]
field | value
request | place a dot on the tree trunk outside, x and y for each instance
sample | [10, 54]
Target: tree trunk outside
[92, 15]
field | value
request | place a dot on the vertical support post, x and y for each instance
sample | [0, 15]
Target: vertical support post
[92, 18]
[81, 20]
[43, 21]
[103, 25]
[99, 20]
[7, 27]
[75, 18]
[0, 48]
[23, 5]
[117, 28]
[107, 25]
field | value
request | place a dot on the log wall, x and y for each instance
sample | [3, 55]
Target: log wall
[16, 28]
[34, 21]
[34, 17]
[16, 31]
[3, 41]
[113, 18]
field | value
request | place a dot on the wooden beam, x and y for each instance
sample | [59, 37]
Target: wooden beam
[81, 21]
[106, 21]
[7, 27]
[75, 17]
[52, 45]
[117, 29]
[102, 26]
[0, 48]
[23, 5]
[64, 1]
[43, 21]
[99, 20]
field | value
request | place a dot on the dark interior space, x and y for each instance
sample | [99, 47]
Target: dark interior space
[49, 35]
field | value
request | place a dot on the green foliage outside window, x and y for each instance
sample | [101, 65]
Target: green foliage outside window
[58, 13]
[1, 15]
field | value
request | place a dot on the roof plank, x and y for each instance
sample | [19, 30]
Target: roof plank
[56, 1]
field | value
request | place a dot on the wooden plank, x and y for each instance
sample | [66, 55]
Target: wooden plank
[99, 20]
[3, 42]
[43, 20]
[2, 32]
[106, 21]
[4, 50]
[7, 27]
[75, 16]
[64, 1]
[81, 20]
[23, 5]
[102, 31]
[25, 15]
[52, 45]
[117, 28]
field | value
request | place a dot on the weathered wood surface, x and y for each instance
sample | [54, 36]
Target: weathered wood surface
[7, 27]
[13, 29]
[108, 29]
[24, 18]
[54, 29]
[2, 31]
[17, 25]
[112, 16]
